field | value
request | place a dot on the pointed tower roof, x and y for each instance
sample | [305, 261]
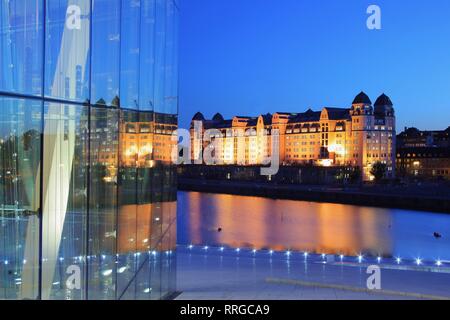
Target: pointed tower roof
[362, 98]
[383, 100]
[198, 117]
[218, 117]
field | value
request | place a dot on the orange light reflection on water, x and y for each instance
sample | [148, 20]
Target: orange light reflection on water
[259, 223]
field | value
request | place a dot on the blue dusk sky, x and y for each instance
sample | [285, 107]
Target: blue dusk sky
[248, 57]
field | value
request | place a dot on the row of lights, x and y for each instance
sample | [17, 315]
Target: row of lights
[288, 253]
[360, 257]
[82, 258]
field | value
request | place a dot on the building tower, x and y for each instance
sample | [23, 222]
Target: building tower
[385, 122]
[362, 117]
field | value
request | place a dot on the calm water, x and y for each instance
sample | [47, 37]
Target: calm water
[316, 227]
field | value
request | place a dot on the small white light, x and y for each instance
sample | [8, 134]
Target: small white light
[103, 257]
[222, 248]
[418, 261]
[379, 259]
[288, 253]
[24, 261]
[323, 255]
[238, 249]
[305, 254]
[122, 269]
[190, 246]
[254, 251]
[205, 247]
[399, 260]
[138, 254]
[6, 262]
[147, 290]
[439, 263]
[342, 257]
[61, 259]
[271, 252]
[55, 283]
[154, 252]
[107, 272]
[360, 257]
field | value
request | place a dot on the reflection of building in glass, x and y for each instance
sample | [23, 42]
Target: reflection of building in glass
[424, 154]
[359, 136]
[87, 194]
[145, 140]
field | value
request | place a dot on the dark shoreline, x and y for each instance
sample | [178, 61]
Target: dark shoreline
[318, 194]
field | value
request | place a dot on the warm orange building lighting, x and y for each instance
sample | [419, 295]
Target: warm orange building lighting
[358, 136]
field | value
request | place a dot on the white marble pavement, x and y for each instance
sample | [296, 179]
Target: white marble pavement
[208, 274]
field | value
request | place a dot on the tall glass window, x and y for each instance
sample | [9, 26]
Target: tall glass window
[20, 151]
[21, 46]
[67, 59]
[104, 154]
[129, 54]
[87, 189]
[64, 198]
[105, 52]
[147, 61]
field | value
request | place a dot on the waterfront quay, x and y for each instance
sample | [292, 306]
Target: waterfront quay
[244, 274]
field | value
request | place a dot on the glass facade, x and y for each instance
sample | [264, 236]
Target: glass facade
[88, 107]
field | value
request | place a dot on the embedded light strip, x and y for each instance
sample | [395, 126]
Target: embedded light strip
[323, 257]
[359, 259]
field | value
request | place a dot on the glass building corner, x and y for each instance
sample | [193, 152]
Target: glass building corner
[88, 105]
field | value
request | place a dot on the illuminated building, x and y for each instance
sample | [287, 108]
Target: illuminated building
[88, 98]
[358, 136]
[423, 154]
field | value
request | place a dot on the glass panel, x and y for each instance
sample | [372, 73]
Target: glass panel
[108, 227]
[127, 220]
[106, 38]
[129, 64]
[64, 201]
[147, 61]
[143, 289]
[170, 61]
[67, 49]
[160, 46]
[20, 145]
[172, 248]
[155, 273]
[103, 203]
[21, 46]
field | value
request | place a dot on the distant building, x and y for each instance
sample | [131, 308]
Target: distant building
[424, 154]
[358, 136]
[413, 137]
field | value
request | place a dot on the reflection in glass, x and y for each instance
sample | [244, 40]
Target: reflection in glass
[67, 49]
[21, 46]
[147, 61]
[101, 178]
[64, 197]
[127, 219]
[129, 62]
[20, 144]
[103, 202]
[105, 67]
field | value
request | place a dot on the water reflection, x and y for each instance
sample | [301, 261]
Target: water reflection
[306, 226]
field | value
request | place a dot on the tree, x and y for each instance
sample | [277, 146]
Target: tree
[378, 170]
[355, 175]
